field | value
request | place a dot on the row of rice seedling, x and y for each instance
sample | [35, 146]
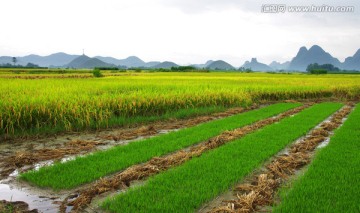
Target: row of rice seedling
[94, 166]
[156, 165]
[260, 187]
[186, 187]
[331, 183]
[53, 105]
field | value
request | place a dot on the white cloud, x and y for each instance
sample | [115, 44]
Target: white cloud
[184, 31]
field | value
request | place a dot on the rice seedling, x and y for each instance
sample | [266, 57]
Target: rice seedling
[330, 184]
[157, 165]
[186, 187]
[86, 169]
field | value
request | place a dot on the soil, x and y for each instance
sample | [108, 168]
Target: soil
[15, 207]
[14, 155]
[17, 156]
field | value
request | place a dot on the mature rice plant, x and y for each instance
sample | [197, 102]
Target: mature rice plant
[30, 106]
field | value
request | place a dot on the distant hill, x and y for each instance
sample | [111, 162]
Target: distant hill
[63, 60]
[254, 65]
[165, 65]
[84, 61]
[303, 58]
[202, 65]
[56, 59]
[219, 65]
[314, 55]
[109, 60]
[152, 63]
[279, 66]
[6, 60]
[352, 63]
[130, 62]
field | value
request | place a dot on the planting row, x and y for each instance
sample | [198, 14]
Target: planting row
[188, 186]
[331, 183]
[157, 165]
[258, 191]
[94, 166]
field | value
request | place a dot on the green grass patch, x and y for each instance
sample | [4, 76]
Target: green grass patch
[94, 166]
[331, 183]
[187, 187]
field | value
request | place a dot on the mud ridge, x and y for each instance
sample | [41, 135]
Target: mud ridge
[15, 207]
[260, 191]
[31, 155]
[123, 179]
[29, 158]
[171, 125]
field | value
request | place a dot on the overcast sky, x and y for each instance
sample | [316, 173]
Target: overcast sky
[183, 31]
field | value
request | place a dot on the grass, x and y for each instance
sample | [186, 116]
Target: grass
[187, 187]
[94, 166]
[331, 183]
[32, 106]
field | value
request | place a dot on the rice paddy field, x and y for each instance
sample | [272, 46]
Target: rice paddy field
[178, 142]
[49, 104]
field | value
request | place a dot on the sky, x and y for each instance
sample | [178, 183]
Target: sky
[183, 31]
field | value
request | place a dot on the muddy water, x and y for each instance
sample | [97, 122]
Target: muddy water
[45, 200]
[43, 204]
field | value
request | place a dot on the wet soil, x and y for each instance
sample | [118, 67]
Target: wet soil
[17, 156]
[15, 207]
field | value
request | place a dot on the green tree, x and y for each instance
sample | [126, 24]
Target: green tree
[97, 73]
[318, 71]
[327, 67]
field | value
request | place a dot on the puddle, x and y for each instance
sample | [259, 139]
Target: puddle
[327, 140]
[42, 204]
[44, 201]
[11, 192]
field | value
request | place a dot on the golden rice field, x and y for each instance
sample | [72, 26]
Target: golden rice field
[65, 104]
